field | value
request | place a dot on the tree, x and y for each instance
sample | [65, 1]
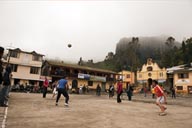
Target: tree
[169, 54]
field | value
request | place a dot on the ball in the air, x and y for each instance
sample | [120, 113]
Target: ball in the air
[69, 45]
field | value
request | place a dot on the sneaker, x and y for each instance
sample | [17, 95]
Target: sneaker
[3, 105]
[162, 114]
[66, 104]
[56, 104]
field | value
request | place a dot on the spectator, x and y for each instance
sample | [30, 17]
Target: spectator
[6, 85]
[84, 89]
[111, 91]
[119, 91]
[173, 92]
[129, 91]
[98, 90]
[45, 86]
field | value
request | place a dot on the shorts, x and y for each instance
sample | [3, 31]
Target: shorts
[160, 99]
[55, 91]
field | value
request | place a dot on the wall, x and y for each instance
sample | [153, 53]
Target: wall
[25, 59]
[23, 72]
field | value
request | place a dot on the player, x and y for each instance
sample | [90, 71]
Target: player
[161, 97]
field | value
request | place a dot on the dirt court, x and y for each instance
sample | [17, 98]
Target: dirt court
[85, 111]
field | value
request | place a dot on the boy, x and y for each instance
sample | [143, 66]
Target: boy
[161, 97]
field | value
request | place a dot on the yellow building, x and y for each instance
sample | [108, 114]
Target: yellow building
[26, 66]
[151, 71]
[183, 80]
[127, 77]
[79, 75]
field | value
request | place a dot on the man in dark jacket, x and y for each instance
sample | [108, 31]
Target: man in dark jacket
[129, 92]
[5, 89]
[4, 81]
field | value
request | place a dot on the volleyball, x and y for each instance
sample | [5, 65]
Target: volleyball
[69, 45]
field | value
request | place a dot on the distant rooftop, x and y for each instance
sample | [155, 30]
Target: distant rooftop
[19, 50]
[60, 63]
[180, 68]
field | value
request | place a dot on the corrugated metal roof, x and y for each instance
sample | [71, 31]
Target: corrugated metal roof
[33, 52]
[79, 67]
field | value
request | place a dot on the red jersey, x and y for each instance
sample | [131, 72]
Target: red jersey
[158, 91]
[46, 83]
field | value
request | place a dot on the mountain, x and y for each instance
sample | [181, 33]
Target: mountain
[153, 42]
[132, 52]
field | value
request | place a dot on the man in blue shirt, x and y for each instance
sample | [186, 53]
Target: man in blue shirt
[62, 89]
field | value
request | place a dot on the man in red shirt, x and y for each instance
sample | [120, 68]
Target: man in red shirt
[45, 86]
[161, 97]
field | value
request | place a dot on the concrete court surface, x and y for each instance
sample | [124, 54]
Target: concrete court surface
[85, 111]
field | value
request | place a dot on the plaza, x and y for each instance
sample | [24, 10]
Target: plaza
[29, 110]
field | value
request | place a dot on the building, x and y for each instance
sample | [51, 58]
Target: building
[26, 66]
[181, 78]
[78, 75]
[128, 77]
[151, 71]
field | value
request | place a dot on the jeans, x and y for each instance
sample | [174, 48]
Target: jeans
[44, 92]
[3, 95]
[129, 94]
[65, 94]
[119, 97]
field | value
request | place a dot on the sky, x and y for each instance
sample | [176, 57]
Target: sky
[92, 27]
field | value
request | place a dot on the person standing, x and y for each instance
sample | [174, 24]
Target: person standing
[2, 98]
[62, 89]
[161, 97]
[84, 89]
[173, 92]
[111, 91]
[145, 91]
[129, 92]
[119, 91]
[98, 90]
[45, 86]
[80, 89]
[6, 85]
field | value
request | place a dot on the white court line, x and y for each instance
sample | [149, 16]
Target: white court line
[4, 118]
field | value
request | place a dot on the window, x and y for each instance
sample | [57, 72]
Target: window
[14, 67]
[179, 87]
[36, 58]
[149, 68]
[14, 54]
[183, 75]
[34, 70]
[90, 83]
[128, 76]
[149, 74]
[161, 74]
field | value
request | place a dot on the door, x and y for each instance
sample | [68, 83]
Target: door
[103, 86]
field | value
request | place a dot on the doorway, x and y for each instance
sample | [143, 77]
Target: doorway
[103, 86]
[149, 84]
[75, 84]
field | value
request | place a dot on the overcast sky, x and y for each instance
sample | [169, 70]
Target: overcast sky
[92, 27]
